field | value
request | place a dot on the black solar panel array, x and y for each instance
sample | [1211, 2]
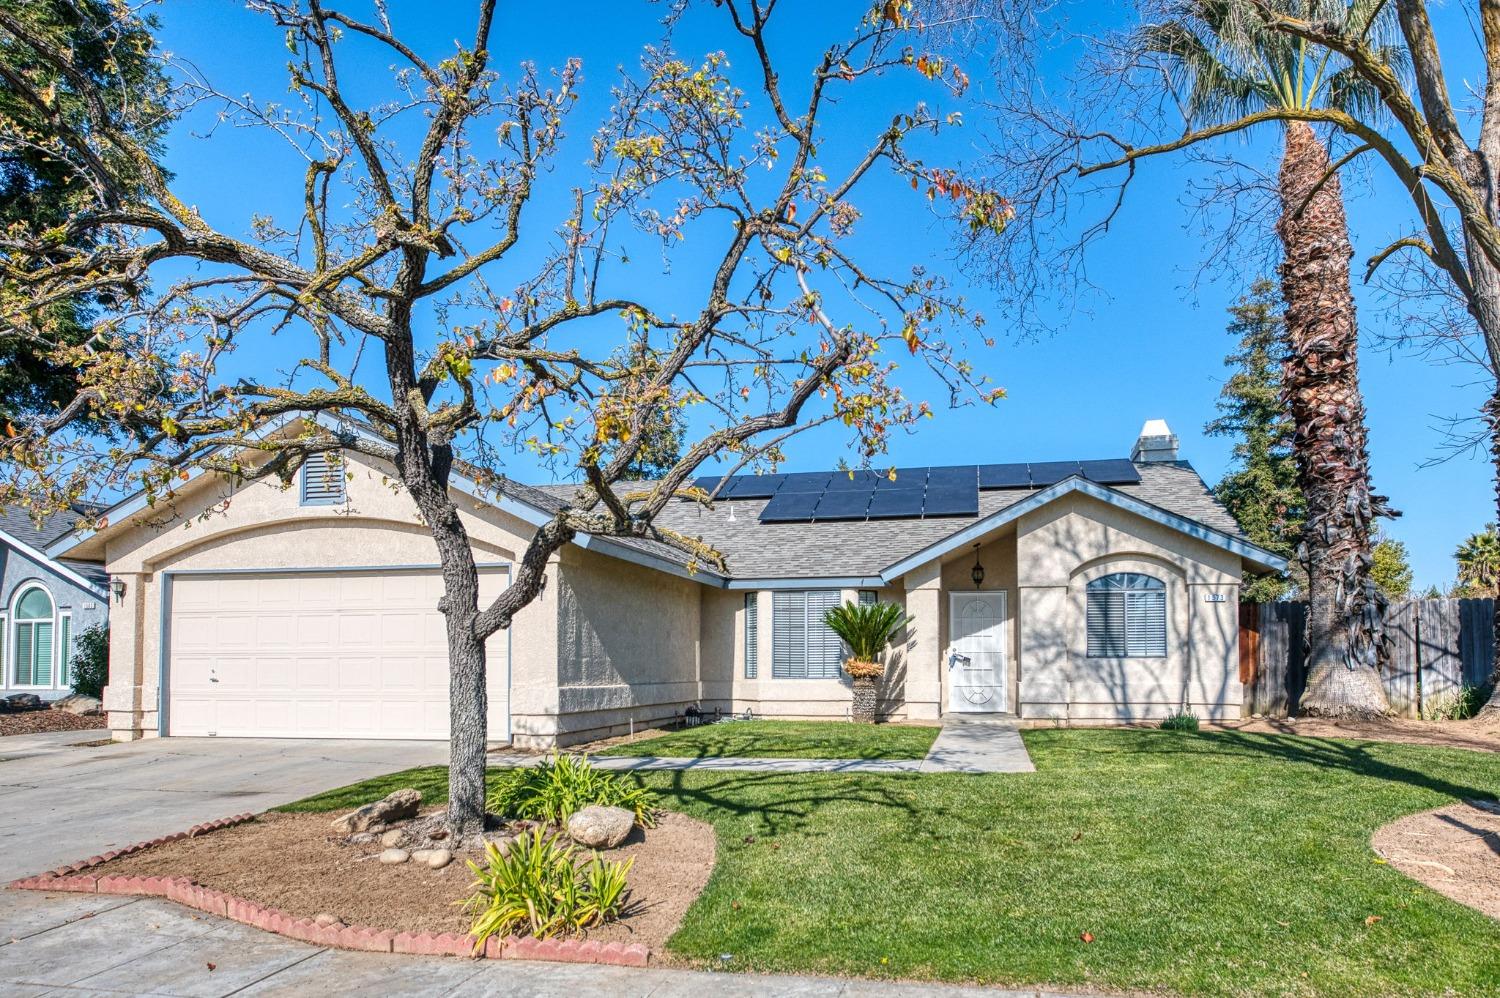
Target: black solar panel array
[906, 493]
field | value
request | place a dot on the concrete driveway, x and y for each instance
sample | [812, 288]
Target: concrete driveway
[63, 803]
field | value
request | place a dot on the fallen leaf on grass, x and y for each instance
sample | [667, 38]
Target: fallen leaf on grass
[1371, 919]
[1087, 937]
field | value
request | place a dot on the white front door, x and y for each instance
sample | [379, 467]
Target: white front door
[977, 681]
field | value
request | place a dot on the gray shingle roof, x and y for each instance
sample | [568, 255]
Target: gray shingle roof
[756, 550]
[19, 524]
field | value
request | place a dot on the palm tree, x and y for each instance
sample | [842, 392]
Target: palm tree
[1479, 563]
[866, 628]
[1225, 63]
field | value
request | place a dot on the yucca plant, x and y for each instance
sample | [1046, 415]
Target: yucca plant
[538, 886]
[556, 788]
[866, 628]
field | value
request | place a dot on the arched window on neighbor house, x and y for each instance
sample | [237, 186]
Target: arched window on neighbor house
[34, 625]
[1127, 616]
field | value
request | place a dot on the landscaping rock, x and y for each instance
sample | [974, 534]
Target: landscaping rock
[397, 806]
[435, 859]
[393, 838]
[324, 919]
[80, 704]
[391, 857]
[24, 701]
[599, 827]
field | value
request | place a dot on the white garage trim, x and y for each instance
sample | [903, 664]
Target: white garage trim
[164, 623]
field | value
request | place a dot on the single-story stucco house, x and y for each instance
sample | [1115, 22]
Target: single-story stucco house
[1069, 591]
[45, 603]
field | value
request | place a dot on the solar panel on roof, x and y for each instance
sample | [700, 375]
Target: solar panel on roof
[852, 481]
[951, 501]
[906, 478]
[1004, 476]
[1051, 472]
[1117, 471]
[842, 506]
[964, 475]
[790, 507]
[707, 482]
[752, 487]
[805, 481]
[895, 504]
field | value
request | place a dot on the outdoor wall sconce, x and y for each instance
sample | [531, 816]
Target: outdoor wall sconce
[977, 572]
[117, 586]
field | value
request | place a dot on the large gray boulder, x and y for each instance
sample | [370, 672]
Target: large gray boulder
[397, 806]
[600, 827]
[79, 703]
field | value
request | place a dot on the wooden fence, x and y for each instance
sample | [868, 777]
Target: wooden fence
[1433, 647]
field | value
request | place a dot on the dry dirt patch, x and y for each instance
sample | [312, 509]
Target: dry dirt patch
[294, 862]
[1455, 850]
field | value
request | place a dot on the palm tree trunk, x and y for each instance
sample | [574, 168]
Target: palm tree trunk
[1491, 708]
[1321, 384]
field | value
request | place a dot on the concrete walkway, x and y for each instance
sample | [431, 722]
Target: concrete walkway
[95, 945]
[978, 744]
[972, 744]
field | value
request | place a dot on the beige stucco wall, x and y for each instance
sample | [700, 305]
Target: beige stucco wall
[213, 524]
[1070, 542]
[767, 696]
[626, 652]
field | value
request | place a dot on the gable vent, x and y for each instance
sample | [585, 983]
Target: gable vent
[323, 479]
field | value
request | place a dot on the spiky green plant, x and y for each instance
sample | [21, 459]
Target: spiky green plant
[866, 627]
[557, 787]
[538, 885]
[1183, 720]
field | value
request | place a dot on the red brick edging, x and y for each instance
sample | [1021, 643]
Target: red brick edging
[72, 877]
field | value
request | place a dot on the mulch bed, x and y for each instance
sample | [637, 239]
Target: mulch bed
[35, 722]
[1455, 850]
[295, 863]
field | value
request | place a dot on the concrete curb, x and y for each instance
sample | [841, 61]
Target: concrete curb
[72, 878]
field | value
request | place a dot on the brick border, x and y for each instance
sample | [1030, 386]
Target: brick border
[74, 878]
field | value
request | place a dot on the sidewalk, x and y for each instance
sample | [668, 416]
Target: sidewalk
[79, 944]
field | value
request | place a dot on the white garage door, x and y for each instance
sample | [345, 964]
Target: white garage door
[349, 654]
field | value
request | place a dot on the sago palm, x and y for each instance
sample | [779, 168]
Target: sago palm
[1225, 65]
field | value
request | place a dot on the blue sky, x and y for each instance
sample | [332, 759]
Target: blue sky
[1151, 344]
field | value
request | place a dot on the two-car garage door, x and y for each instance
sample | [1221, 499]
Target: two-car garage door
[348, 654]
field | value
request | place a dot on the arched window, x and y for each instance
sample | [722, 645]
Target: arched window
[1127, 616]
[34, 618]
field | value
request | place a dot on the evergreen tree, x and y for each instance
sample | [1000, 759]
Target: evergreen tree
[1392, 568]
[1261, 489]
[40, 186]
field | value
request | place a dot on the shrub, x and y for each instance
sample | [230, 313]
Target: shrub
[1454, 705]
[538, 886]
[1183, 720]
[90, 666]
[556, 788]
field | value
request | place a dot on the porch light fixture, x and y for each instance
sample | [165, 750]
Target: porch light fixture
[977, 572]
[117, 586]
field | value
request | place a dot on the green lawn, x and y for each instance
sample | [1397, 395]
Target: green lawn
[788, 740]
[1215, 864]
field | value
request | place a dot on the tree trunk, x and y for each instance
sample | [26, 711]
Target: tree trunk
[866, 706]
[1492, 418]
[1321, 385]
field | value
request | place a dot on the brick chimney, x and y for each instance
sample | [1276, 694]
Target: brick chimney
[1157, 443]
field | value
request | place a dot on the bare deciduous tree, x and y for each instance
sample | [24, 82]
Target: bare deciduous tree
[492, 330]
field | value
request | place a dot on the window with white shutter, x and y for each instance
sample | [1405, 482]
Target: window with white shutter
[752, 635]
[322, 479]
[802, 646]
[1127, 616]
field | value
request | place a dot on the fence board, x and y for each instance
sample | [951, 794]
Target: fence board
[1432, 648]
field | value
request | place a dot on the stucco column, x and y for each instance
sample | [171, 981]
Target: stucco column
[924, 646]
[122, 694]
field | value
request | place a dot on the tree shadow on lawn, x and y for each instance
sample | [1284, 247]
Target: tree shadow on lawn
[780, 802]
[1359, 758]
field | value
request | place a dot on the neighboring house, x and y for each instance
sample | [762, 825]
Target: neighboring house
[44, 604]
[1095, 592]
